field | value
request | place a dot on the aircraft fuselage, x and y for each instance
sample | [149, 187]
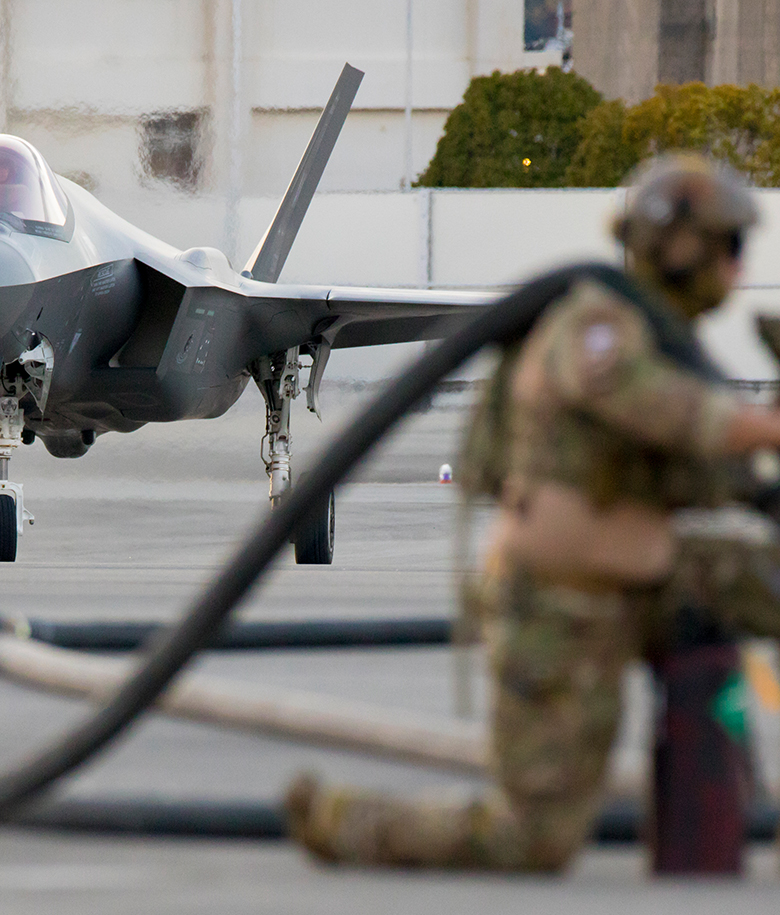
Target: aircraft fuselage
[105, 328]
[141, 332]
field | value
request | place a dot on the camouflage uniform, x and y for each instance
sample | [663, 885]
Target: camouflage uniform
[587, 401]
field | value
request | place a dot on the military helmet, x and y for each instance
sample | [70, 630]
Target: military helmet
[684, 188]
[683, 209]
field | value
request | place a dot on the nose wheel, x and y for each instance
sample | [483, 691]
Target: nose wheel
[13, 514]
[8, 531]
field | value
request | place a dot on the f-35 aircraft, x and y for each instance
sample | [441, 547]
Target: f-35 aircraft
[105, 328]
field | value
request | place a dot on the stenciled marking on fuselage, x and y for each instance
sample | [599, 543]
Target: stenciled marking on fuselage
[103, 281]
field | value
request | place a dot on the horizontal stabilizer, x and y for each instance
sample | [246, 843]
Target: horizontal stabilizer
[268, 259]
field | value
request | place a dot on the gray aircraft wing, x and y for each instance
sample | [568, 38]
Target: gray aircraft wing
[366, 316]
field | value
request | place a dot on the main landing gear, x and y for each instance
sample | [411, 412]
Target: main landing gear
[314, 543]
[277, 376]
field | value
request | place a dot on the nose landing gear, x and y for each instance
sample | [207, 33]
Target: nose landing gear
[13, 514]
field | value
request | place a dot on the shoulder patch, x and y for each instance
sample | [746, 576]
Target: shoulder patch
[598, 338]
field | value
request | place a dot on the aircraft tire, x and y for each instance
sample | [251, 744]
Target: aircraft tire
[315, 542]
[8, 533]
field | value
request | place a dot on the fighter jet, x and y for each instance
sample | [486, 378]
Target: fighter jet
[104, 328]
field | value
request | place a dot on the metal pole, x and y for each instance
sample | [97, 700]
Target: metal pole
[5, 63]
[425, 241]
[232, 219]
[408, 107]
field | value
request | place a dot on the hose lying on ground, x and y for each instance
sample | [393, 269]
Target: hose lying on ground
[254, 635]
[310, 717]
[621, 820]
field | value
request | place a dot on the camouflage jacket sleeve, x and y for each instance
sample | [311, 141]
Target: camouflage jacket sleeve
[600, 357]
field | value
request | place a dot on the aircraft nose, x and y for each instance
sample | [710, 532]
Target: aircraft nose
[14, 267]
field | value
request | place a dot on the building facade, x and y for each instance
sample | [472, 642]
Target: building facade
[220, 96]
[626, 47]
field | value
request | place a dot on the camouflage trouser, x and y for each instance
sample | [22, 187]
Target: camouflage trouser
[557, 655]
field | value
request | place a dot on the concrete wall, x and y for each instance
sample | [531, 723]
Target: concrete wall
[448, 238]
[429, 237]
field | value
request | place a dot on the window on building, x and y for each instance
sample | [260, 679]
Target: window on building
[170, 148]
[546, 22]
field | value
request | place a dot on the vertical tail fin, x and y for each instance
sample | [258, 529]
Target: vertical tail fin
[269, 257]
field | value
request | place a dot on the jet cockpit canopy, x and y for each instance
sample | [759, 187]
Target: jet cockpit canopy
[31, 200]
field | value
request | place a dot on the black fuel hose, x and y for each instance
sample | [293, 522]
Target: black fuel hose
[620, 821]
[250, 635]
[508, 319]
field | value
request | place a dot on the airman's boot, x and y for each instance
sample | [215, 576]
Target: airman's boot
[299, 804]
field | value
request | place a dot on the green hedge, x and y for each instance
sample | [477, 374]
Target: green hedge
[512, 130]
[528, 129]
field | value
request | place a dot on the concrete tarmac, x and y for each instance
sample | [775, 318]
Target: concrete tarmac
[131, 531]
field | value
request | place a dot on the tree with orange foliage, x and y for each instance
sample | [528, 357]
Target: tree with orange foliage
[739, 124]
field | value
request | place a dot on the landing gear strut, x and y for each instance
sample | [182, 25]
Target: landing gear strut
[278, 377]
